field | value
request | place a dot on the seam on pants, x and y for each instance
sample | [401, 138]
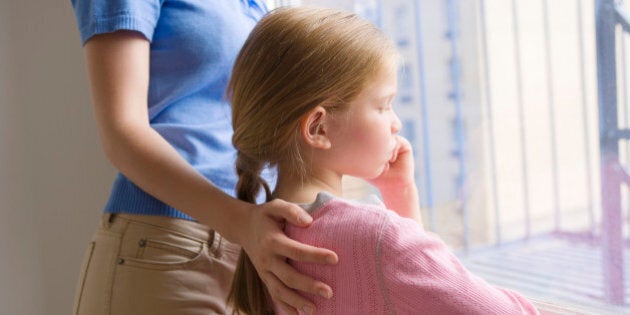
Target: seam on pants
[113, 267]
[88, 262]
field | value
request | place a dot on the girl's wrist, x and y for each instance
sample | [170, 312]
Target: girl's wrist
[403, 199]
[397, 187]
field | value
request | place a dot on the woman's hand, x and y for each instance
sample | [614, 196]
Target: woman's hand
[397, 184]
[269, 248]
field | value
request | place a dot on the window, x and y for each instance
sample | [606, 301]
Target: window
[520, 142]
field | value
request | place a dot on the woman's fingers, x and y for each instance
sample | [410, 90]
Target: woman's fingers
[295, 280]
[297, 251]
[284, 295]
[282, 248]
[273, 248]
[287, 308]
[292, 213]
[281, 245]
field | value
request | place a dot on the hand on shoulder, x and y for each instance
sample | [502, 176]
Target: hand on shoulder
[268, 248]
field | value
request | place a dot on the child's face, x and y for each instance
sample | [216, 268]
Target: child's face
[362, 136]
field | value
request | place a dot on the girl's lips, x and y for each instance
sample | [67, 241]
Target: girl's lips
[395, 147]
[394, 155]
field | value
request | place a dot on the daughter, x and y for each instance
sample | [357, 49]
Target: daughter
[312, 94]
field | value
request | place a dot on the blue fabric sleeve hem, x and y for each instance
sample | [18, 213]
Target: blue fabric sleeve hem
[112, 24]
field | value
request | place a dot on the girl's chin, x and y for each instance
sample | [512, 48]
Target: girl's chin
[385, 168]
[381, 170]
[377, 172]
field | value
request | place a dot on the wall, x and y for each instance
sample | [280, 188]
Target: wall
[54, 178]
[20, 275]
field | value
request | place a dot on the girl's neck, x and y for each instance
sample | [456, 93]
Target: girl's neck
[293, 188]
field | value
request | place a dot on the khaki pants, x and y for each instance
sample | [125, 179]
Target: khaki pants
[154, 265]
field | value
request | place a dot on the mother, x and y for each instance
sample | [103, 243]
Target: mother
[167, 241]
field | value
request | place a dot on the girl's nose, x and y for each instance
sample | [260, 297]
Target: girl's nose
[396, 124]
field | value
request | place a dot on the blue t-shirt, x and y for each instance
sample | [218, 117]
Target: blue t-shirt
[193, 47]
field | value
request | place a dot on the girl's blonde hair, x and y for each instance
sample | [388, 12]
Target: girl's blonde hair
[294, 60]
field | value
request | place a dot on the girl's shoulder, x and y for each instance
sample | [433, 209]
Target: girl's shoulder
[367, 219]
[342, 222]
[327, 205]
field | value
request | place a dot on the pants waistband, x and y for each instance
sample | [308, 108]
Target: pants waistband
[117, 222]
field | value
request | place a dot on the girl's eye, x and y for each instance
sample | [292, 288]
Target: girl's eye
[386, 106]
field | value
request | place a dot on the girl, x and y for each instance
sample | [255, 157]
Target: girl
[312, 94]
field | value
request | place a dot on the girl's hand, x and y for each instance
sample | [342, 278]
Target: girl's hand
[400, 171]
[397, 184]
[269, 248]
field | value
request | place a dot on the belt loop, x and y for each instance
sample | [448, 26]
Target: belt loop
[210, 238]
[219, 245]
[109, 218]
[215, 243]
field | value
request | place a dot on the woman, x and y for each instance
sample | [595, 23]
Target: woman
[167, 241]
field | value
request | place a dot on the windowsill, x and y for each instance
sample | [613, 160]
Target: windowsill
[547, 308]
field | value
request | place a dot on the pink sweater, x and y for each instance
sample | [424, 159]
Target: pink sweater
[390, 265]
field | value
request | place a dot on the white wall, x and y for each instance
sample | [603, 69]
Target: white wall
[53, 176]
[20, 275]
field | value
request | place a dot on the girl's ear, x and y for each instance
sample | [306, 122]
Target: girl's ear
[314, 129]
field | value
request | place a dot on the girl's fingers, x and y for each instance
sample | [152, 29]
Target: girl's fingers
[282, 294]
[404, 145]
[397, 149]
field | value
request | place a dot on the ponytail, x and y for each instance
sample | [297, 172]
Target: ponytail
[248, 293]
[250, 182]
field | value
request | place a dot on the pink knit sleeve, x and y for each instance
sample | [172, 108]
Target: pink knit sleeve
[419, 274]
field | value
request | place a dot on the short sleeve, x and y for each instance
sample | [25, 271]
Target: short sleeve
[105, 16]
[419, 272]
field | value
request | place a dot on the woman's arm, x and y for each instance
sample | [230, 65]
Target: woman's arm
[118, 68]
